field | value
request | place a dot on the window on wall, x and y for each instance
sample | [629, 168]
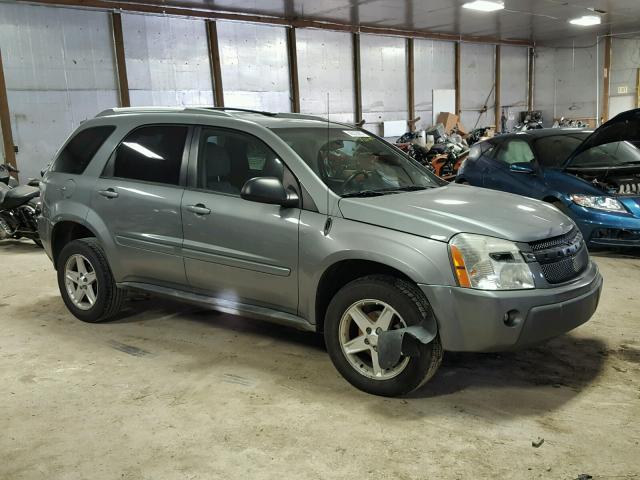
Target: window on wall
[77, 154]
[150, 154]
[254, 64]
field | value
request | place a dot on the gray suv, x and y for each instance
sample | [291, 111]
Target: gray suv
[314, 224]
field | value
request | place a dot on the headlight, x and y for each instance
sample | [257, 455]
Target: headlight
[608, 204]
[488, 263]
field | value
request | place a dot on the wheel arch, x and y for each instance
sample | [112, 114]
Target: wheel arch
[65, 231]
[344, 271]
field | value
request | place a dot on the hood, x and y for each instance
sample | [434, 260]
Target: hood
[440, 213]
[624, 126]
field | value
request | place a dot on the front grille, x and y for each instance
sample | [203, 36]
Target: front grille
[566, 239]
[561, 258]
[567, 268]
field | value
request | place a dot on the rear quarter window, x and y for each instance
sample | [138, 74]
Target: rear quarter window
[79, 152]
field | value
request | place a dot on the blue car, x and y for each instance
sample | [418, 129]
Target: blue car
[593, 177]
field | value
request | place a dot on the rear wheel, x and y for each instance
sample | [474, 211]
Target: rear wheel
[86, 283]
[357, 314]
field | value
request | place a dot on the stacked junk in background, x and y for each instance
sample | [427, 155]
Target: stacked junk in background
[443, 147]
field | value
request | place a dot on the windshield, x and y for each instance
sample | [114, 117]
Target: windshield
[554, 150]
[353, 162]
[614, 154]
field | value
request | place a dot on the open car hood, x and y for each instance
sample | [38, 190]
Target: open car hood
[623, 127]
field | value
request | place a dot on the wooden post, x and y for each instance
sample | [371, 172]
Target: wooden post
[121, 64]
[605, 78]
[5, 121]
[214, 61]
[293, 69]
[357, 87]
[531, 72]
[497, 106]
[638, 89]
[457, 78]
[411, 85]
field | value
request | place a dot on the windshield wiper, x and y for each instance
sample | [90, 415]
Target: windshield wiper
[410, 188]
[366, 193]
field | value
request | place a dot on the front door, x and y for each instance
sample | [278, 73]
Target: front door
[138, 200]
[498, 175]
[233, 248]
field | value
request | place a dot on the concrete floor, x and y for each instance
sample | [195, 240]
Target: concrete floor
[172, 391]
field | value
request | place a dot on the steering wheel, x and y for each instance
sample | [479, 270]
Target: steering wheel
[353, 176]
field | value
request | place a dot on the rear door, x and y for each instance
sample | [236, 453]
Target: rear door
[138, 200]
[233, 248]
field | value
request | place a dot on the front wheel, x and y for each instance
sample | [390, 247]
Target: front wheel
[358, 313]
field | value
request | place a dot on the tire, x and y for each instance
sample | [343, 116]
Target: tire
[410, 308]
[107, 298]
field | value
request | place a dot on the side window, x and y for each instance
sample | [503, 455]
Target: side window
[77, 154]
[150, 154]
[227, 159]
[515, 151]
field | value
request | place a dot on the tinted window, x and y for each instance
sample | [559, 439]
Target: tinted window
[553, 151]
[227, 159]
[515, 151]
[151, 154]
[77, 154]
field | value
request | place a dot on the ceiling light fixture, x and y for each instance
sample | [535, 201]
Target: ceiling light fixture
[484, 6]
[586, 20]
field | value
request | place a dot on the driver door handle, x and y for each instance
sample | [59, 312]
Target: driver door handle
[108, 193]
[199, 209]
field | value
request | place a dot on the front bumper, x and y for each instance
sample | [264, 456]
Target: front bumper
[474, 320]
[607, 229]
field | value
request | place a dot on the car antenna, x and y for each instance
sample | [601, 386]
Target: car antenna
[327, 224]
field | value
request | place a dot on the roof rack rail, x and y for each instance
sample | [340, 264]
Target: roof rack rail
[248, 110]
[126, 110]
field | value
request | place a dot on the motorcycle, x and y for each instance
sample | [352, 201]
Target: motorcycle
[19, 207]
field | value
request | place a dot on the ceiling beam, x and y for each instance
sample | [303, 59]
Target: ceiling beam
[273, 20]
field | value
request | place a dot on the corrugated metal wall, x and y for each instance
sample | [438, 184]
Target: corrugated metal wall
[59, 71]
[59, 67]
[255, 68]
[434, 68]
[384, 80]
[565, 82]
[325, 65]
[477, 71]
[167, 60]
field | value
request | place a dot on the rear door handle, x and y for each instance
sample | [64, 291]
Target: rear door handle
[108, 193]
[199, 209]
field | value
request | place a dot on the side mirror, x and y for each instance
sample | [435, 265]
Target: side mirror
[44, 170]
[269, 190]
[522, 167]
